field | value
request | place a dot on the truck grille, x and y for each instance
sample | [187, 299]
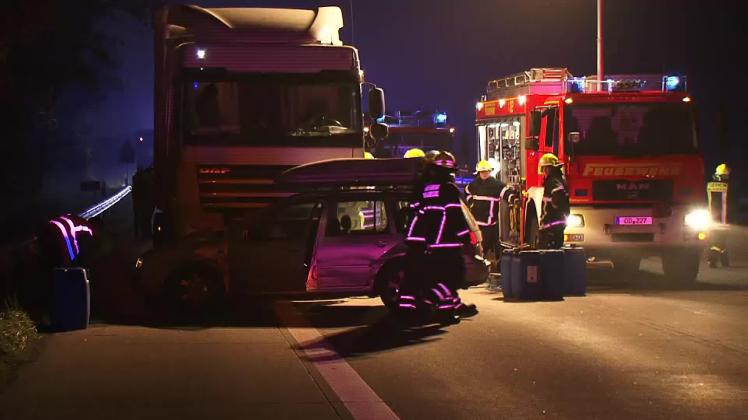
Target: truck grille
[224, 187]
[625, 190]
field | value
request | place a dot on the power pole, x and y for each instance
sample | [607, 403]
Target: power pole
[350, 7]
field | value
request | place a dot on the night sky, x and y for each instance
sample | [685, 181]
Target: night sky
[440, 53]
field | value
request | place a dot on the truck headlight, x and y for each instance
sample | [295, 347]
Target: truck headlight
[698, 219]
[574, 221]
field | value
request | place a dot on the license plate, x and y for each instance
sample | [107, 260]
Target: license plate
[633, 220]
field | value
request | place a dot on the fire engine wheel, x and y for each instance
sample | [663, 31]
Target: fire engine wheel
[681, 266]
[531, 230]
[390, 279]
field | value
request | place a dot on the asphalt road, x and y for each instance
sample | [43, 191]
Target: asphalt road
[632, 348]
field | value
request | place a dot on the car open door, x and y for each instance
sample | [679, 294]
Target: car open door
[357, 235]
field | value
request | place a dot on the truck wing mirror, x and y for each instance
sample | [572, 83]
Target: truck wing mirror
[535, 117]
[379, 131]
[532, 144]
[376, 103]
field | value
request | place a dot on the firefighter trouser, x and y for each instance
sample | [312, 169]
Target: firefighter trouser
[446, 271]
[432, 278]
[490, 240]
[551, 237]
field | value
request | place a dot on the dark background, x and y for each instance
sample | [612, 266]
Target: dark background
[426, 54]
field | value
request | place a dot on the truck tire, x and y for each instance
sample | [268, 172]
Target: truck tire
[681, 267]
[192, 291]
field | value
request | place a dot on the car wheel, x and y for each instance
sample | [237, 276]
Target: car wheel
[389, 285]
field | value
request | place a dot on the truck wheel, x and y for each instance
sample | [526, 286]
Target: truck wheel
[390, 280]
[626, 265]
[681, 266]
[192, 291]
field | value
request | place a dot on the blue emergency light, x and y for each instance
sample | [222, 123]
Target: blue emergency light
[674, 84]
[440, 118]
[576, 85]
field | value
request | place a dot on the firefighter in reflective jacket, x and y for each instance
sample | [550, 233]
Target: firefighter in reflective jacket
[435, 267]
[483, 197]
[717, 194]
[555, 206]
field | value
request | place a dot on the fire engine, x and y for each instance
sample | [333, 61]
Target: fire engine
[630, 152]
[242, 94]
[422, 130]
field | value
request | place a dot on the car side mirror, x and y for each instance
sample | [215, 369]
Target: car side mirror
[535, 117]
[376, 103]
[379, 131]
[575, 137]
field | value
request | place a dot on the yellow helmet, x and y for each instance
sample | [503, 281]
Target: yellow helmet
[483, 165]
[368, 155]
[722, 170]
[414, 152]
[548, 159]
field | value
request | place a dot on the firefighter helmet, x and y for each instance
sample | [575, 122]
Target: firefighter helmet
[368, 155]
[548, 159]
[483, 165]
[443, 159]
[722, 170]
[414, 153]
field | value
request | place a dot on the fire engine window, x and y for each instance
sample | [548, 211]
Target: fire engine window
[358, 217]
[551, 129]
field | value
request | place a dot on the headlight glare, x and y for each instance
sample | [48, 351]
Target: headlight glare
[574, 221]
[698, 219]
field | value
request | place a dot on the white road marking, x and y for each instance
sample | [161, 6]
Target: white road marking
[360, 400]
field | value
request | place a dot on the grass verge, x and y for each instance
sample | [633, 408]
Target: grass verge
[18, 336]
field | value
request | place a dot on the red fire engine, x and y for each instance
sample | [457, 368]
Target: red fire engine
[631, 157]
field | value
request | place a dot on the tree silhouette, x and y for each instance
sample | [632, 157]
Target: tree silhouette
[46, 46]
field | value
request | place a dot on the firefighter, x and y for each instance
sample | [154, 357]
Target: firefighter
[555, 207]
[435, 267]
[483, 197]
[717, 192]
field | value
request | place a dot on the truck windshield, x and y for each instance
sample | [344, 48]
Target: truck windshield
[632, 129]
[397, 143]
[273, 110]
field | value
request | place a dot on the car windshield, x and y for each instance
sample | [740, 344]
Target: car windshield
[270, 110]
[631, 129]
